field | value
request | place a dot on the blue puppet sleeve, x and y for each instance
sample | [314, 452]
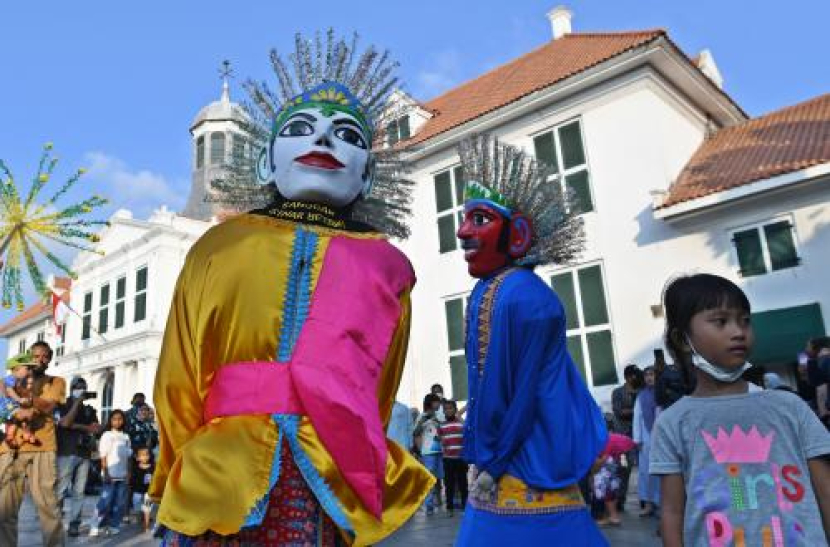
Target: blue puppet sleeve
[536, 419]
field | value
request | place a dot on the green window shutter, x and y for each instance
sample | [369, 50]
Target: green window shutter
[594, 308]
[403, 128]
[750, 255]
[140, 312]
[781, 246]
[88, 302]
[601, 353]
[141, 279]
[119, 315]
[460, 183]
[575, 349]
[545, 151]
[443, 192]
[454, 310]
[458, 374]
[570, 139]
[446, 234]
[579, 192]
[563, 284]
[120, 288]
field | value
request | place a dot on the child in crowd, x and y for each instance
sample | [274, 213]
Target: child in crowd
[428, 443]
[140, 477]
[452, 444]
[17, 393]
[607, 477]
[114, 449]
[737, 466]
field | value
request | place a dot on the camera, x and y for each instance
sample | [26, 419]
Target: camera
[89, 395]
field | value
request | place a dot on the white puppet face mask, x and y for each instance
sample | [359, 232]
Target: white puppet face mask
[321, 158]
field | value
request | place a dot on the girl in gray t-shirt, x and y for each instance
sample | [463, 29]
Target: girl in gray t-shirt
[738, 466]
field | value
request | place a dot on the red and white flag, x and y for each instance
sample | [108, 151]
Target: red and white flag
[60, 312]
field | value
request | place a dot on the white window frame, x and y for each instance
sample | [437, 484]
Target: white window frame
[759, 227]
[144, 292]
[559, 178]
[465, 301]
[61, 342]
[104, 307]
[581, 330]
[87, 315]
[457, 209]
[107, 395]
[122, 301]
[21, 346]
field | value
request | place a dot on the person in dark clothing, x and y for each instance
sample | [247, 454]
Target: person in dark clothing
[622, 403]
[141, 431]
[75, 434]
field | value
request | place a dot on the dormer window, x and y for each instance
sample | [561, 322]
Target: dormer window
[398, 130]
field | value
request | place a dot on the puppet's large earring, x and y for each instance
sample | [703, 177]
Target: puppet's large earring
[521, 236]
[263, 167]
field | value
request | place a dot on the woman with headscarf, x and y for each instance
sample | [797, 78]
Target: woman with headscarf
[645, 412]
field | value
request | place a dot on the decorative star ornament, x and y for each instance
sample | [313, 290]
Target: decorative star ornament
[26, 226]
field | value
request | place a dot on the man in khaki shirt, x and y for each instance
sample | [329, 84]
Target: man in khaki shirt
[37, 461]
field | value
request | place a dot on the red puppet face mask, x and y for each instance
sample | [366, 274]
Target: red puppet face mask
[490, 239]
[482, 240]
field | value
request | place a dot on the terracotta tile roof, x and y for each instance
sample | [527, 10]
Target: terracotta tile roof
[783, 141]
[39, 308]
[541, 68]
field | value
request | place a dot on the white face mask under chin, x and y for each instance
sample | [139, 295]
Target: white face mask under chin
[718, 373]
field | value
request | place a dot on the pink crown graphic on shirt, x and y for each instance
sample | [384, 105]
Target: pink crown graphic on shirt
[739, 447]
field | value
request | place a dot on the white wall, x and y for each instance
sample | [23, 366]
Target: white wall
[638, 136]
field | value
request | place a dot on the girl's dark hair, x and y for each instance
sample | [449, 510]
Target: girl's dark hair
[123, 418]
[450, 402]
[686, 296]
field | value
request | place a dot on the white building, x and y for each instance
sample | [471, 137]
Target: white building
[122, 298]
[671, 175]
[640, 132]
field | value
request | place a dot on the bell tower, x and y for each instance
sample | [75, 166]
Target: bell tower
[217, 137]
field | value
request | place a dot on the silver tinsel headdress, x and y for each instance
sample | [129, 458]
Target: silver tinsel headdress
[515, 182]
[369, 78]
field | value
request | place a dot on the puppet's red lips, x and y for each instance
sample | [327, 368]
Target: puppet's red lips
[320, 160]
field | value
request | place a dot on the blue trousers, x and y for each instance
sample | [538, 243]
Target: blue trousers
[111, 505]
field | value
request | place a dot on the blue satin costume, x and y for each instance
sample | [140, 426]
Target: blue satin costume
[530, 414]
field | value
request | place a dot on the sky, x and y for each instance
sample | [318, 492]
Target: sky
[116, 85]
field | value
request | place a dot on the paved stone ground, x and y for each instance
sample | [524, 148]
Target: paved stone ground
[438, 530]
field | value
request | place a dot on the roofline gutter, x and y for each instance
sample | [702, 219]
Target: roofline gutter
[778, 182]
[620, 64]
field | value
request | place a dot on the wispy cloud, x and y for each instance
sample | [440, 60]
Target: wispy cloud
[139, 190]
[443, 71]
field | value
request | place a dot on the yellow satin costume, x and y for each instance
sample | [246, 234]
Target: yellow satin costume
[227, 308]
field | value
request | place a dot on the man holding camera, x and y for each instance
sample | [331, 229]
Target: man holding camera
[76, 429]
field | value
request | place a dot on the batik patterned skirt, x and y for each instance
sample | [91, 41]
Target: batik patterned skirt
[294, 518]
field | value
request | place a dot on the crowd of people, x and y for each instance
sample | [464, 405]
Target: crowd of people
[435, 435]
[55, 446]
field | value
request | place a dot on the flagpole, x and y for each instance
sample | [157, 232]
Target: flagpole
[81, 317]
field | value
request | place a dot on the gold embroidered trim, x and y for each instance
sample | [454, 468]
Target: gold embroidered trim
[485, 317]
[514, 497]
[262, 219]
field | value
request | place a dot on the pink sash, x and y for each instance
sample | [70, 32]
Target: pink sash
[335, 369]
